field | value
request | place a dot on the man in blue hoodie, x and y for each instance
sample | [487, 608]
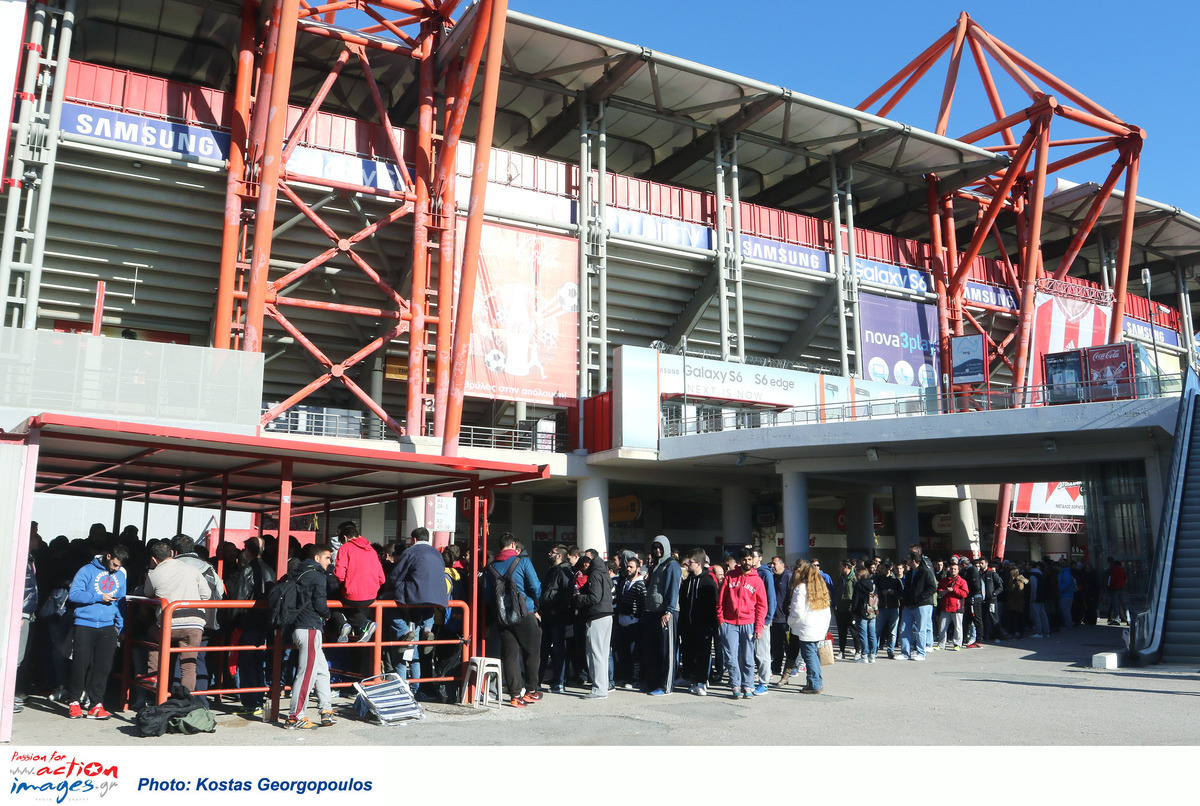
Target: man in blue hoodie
[98, 591]
[660, 641]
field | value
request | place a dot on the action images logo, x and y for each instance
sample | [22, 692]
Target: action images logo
[39, 776]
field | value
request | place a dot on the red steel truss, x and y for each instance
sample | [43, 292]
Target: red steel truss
[259, 174]
[1025, 135]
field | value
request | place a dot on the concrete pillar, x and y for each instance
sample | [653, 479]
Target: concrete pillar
[737, 520]
[964, 522]
[522, 517]
[860, 522]
[904, 501]
[372, 522]
[414, 515]
[592, 509]
[795, 516]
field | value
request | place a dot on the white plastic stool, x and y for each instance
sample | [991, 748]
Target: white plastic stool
[481, 673]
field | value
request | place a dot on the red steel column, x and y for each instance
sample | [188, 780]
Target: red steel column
[232, 230]
[447, 259]
[1032, 254]
[283, 15]
[415, 425]
[466, 297]
[281, 562]
[1116, 329]
[1000, 535]
[937, 254]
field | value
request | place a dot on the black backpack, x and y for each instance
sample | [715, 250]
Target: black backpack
[155, 720]
[508, 600]
[286, 601]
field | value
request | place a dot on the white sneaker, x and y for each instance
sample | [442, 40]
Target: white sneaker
[701, 690]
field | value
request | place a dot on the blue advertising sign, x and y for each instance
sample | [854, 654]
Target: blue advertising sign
[784, 254]
[656, 228]
[902, 277]
[899, 340]
[992, 295]
[160, 135]
[1141, 330]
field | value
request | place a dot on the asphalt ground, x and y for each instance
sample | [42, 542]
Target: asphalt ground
[1031, 692]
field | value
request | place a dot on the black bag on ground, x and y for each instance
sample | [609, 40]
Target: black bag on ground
[508, 600]
[155, 720]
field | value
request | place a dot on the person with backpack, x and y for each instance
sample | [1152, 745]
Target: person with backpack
[419, 582]
[866, 609]
[511, 587]
[304, 611]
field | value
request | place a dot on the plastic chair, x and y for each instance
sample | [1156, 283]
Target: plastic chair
[477, 688]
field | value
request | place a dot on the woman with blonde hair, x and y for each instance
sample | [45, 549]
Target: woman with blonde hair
[808, 619]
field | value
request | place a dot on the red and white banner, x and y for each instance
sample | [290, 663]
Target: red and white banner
[1060, 498]
[1062, 324]
[525, 331]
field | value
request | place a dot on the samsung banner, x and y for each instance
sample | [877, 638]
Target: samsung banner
[1142, 330]
[525, 332]
[900, 341]
[160, 135]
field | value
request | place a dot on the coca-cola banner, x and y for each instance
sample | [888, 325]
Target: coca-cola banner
[525, 331]
[1110, 372]
[1061, 324]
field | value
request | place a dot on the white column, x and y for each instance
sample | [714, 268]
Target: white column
[592, 509]
[860, 521]
[414, 515]
[795, 516]
[904, 501]
[964, 523]
[736, 517]
[371, 525]
[522, 517]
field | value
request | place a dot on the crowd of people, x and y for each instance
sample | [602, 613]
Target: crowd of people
[660, 622]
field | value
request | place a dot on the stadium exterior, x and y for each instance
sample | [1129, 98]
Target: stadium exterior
[275, 227]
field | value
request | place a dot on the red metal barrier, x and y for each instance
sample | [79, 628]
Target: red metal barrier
[161, 683]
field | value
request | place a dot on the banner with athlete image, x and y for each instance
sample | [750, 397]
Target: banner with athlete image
[525, 328]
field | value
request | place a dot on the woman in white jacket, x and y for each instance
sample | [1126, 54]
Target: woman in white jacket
[808, 619]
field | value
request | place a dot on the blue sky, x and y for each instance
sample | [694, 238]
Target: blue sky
[1138, 60]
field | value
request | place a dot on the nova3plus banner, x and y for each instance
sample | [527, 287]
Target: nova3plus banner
[1061, 324]
[525, 329]
[899, 340]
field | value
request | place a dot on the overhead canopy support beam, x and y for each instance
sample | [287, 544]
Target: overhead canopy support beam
[702, 146]
[567, 121]
[818, 173]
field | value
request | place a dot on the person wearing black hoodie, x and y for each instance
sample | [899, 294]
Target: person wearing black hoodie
[311, 668]
[595, 604]
[697, 623]
[660, 640]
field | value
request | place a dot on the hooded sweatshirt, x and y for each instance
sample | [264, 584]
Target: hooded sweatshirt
[359, 570]
[87, 590]
[662, 586]
[419, 577]
[743, 599]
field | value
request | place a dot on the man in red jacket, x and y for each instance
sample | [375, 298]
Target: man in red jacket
[361, 574]
[952, 590]
[741, 611]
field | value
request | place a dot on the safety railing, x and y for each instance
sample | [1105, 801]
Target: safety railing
[927, 403]
[159, 680]
[1146, 627]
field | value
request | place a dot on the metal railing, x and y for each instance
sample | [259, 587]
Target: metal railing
[159, 680]
[928, 402]
[513, 439]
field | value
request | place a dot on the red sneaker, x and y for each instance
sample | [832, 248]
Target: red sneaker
[517, 702]
[98, 712]
[76, 711]
[533, 696]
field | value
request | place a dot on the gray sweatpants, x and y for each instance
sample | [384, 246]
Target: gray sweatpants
[762, 658]
[311, 670]
[599, 639]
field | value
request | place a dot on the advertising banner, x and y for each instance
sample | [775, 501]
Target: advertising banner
[764, 250]
[886, 274]
[899, 339]
[1110, 372]
[1061, 324]
[525, 332]
[160, 135]
[1064, 377]
[1142, 330]
[1060, 498]
[969, 359]
[722, 380]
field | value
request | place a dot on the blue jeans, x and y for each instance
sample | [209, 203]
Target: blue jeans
[421, 620]
[885, 627]
[812, 660]
[738, 642]
[868, 639]
[915, 623]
